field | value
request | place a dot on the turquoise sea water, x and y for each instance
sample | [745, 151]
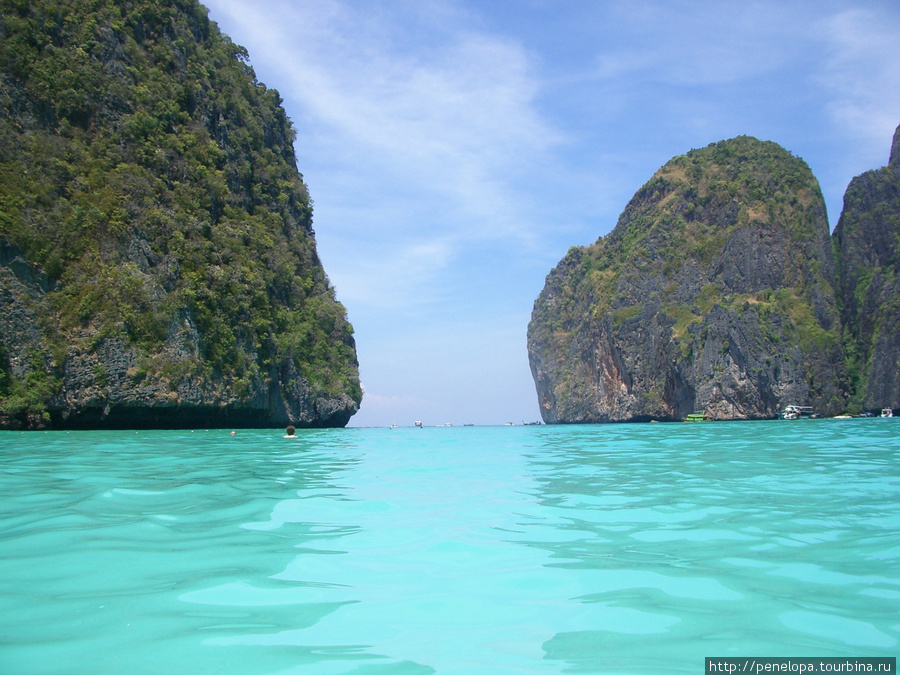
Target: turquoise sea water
[592, 549]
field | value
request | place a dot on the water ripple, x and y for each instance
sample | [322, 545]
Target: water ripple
[618, 548]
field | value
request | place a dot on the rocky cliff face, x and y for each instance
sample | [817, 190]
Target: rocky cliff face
[158, 265]
[715, 290]
[867, 239]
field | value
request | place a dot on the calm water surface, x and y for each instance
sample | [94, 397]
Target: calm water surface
[592, 549]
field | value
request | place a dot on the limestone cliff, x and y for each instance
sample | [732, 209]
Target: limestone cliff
[867, 239]
[715, 290]
[158, 266]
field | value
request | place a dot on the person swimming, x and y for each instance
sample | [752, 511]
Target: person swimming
[289, 432]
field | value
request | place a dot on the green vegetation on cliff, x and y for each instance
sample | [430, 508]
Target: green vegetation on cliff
[689, 211]
[149, 182]
[867, 243]
[716, 289]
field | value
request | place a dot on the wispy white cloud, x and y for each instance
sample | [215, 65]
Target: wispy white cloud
[699, 44]
[861, 70]
[438, 130]
[395, 276]
[453, 117]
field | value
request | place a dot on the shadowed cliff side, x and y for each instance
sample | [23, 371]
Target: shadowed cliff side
[158, 266]
[867, 239]
[715, 290]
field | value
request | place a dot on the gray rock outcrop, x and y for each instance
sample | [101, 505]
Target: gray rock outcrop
[158, 265]
[867, 239]
[715, 290]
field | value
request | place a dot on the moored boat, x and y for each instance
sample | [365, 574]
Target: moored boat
[887, 412]
[697, 416]
[796, 412]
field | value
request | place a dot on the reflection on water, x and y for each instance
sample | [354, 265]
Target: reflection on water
[753, 539]
[609, 549]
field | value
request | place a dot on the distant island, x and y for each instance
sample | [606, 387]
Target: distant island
[158, 265]
[721, 290]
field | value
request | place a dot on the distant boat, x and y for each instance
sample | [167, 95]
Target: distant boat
[697, 416]
[419, 423]
[796, 412]
[887, 412]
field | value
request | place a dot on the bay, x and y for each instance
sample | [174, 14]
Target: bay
[638, 548]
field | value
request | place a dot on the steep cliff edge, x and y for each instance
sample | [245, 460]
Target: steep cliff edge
[867, 239]
[158, 265]
[715, 290]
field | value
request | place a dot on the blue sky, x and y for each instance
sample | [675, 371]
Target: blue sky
[456, 149]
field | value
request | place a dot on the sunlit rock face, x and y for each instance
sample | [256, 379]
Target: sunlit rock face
[158, 266]
[715, 291]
